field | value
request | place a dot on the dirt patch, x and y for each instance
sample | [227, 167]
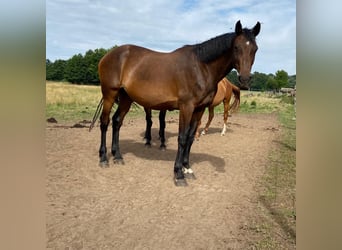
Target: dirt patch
[137, 205]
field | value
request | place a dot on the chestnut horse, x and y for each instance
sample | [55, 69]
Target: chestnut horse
[225, 89]
[184, 79]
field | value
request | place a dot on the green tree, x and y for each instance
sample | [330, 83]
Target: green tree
[55, 70]
[259, 81]
[92, 59]
[281, 78]
[233, 77]
[75, 70]
[292, 81]
[271, 83]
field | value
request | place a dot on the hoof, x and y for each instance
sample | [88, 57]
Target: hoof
[190, 176]
[189, 173]
[104, 164]
[119, 162]
[162, 147]
[180, 182]
[147, 145]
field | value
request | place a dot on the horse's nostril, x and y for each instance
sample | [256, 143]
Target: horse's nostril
[244, 79]
[244, 82]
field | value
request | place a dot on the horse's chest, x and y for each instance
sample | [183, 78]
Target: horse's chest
[207, 99]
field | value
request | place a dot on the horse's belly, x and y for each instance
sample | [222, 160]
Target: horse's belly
[153, 100]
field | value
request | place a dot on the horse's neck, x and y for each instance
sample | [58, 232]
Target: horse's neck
[219, 68]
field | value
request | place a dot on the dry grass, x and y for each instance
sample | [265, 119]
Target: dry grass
[68, 102]
[58, 93]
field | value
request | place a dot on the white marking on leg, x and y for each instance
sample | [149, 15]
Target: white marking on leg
[224, 129]
[247, 43]
[188, 171]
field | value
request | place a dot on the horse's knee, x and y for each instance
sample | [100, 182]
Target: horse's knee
[181, 140]
[191, 139]
[103, 127]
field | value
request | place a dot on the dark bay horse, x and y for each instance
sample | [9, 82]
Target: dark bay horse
[225, 89]
[184, 79]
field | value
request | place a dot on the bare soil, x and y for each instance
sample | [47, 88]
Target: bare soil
[137, 205]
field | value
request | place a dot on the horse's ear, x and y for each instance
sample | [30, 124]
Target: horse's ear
[238, 28]
[256, 29]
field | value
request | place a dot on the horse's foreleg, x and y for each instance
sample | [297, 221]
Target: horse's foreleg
[149, 122]
[123, 108]
[162, 115]
[225, 116]
[185, 114]
[104, 121]
[196, 118]
[210, 118]
[178, 167]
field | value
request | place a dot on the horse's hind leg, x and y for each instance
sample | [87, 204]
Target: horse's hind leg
[210, 118]
[149, 122]
[124, 106]
[225, 116]
[162, 115]
[197, 134]
[108, 101]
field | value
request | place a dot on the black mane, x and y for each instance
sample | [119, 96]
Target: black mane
[213, 48]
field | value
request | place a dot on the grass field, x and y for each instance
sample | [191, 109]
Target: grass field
[73, 103]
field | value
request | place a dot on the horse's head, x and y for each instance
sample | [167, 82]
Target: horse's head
[244, 47]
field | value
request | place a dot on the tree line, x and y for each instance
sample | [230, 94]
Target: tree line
[82, 69]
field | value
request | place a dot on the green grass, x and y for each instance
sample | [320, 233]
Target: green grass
[278, 188]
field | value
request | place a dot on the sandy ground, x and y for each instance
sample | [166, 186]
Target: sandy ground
[137, 205]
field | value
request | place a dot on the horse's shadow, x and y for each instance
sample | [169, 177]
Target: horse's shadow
[155, 154]
[155, 135]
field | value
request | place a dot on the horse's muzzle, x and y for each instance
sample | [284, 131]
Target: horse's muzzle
[244, 82]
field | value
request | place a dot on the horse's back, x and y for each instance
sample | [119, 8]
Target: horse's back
[129, 63]
[146, 75]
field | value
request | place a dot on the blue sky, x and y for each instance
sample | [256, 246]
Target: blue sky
[75, 26]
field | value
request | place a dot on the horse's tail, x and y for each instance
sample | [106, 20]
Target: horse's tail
[96, 115]
[236, 104]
